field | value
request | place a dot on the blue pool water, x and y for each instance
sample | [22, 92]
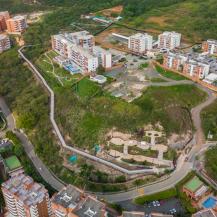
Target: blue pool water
[210, 203]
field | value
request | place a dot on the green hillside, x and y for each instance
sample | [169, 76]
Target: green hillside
[196, 19]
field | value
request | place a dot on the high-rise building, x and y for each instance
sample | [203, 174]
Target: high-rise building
[169, 40]
[140, 43]
[104, 57]
[196, 69]
[4, 15]
[16, 24]
[26, 198]
[81, 56]
[210, 46]
[82, 38]
[4, 43]
[174, 61]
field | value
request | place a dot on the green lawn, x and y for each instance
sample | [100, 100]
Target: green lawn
[169, 74]
[157, 80]
[143, 66]
[87, 88]
[158, 196]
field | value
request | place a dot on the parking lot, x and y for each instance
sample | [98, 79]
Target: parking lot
[170, 206]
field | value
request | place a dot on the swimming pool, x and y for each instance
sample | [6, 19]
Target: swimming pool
[210, 203]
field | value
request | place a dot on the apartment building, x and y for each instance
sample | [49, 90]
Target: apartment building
[140, 43]
[169, 40]
[4, 15]
[104, 57]
[72, 202]
[61, 45]
[16, 24]
[79, 51]
[196, 69]
[65, 201]
[83, 39]
[26, 198]
[84, 59]
[5, 43]
[210, 46]
[174, 61]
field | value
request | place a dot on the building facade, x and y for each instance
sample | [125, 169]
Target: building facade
[83, 39]
[79, 47]
[210, 46]
[26, 198]
[169, 40]
[196, 69]
[104, 57]
[5, 43]
[140, 43]
[4, 16]
[16, 24]
[174, 61]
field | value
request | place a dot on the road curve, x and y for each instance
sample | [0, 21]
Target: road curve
[60, 137]
[29, 149]
[174, 178]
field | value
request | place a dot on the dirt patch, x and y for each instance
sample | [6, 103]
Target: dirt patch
[104, 39]
[116, 10]
[161, 21]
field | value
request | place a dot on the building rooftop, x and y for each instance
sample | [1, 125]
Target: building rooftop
[212, 41]
[91, 207]
[140, 35]
[194, 184]
[160, 215]
[12, 163]
[205, 213]
[169, 33]
[25, 189]
[133, 214]
[68, 197]
[18, 17]
[3, 36]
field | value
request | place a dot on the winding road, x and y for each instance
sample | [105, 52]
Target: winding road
[182, 169]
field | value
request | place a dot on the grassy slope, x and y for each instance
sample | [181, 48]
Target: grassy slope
[209, 120]
[196, 19]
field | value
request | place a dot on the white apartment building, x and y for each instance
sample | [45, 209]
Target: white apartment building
[174, 60]
[82, 38]
[140, 43]
[169, 40]
[4, 43]
[196, 69]
[26, 198]
[87, 61]
[210, 46]
[78, 47]
[104, 57]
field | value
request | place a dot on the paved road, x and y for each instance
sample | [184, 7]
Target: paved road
[29, 149]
